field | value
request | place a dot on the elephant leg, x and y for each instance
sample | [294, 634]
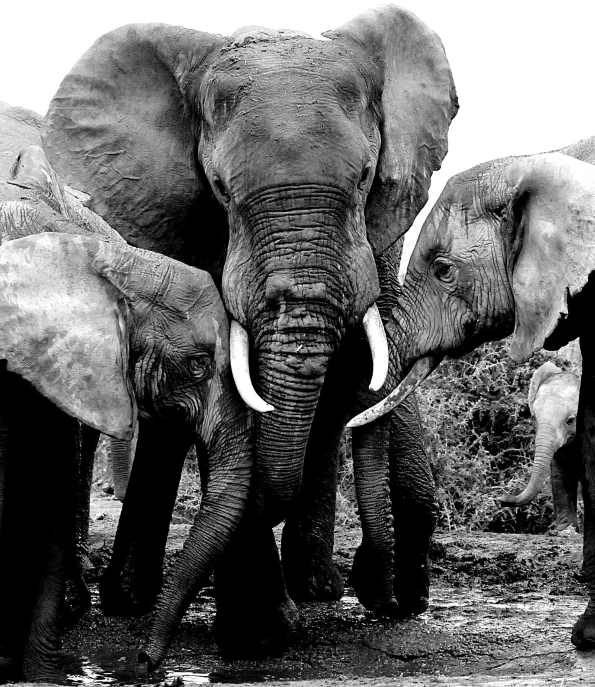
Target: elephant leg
[134, 575]
[565, 479]
[255, 615]
[415, 508]
[38, 530]
[309, 531]
[78, 596]
[372, 571]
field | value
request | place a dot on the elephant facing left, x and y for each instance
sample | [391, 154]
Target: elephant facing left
[102, 333]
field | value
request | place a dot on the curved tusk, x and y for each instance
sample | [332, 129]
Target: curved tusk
[416, 376]
[240, 368]
[378, 346]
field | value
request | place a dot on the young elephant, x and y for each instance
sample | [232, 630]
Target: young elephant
[553, 400]
[103, 332]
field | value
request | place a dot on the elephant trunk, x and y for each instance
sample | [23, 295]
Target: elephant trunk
[293, 387]
[313, 276]
[122, 453]
[229, 448]
[546, 444]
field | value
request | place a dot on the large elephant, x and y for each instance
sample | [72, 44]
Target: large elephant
[284, 165]
[553, 402]
[509, 248]
[104, 333]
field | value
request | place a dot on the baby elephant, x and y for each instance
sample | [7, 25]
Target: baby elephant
[553, 400]
[100, 332]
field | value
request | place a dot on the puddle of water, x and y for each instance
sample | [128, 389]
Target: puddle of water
[123, 669]
[111, 669]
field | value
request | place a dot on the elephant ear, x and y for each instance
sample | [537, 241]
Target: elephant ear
[540, 375]
[553, 203]
[123, 128]
[63, 329]
[418, 104]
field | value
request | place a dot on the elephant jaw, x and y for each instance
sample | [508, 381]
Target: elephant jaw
[418, 373]
[240, 366]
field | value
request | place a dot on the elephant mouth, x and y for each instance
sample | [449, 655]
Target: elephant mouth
[304, 365]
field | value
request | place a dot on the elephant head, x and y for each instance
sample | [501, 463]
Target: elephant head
[106, 331]
[507, 249]
[280, 163]
[553, 401]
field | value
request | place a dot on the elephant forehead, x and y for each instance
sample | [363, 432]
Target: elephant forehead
[262, 67]
[561, 390]
[457, 230]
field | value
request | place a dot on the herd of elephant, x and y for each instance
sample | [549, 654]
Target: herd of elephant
[200, 244]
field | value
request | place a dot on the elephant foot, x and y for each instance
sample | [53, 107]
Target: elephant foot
[125, 593]
[583, 632]
[39, 661]
[45, 675]
[308, 568]
[365, 578]
[314, 581]
[255, 632]
[412, 588]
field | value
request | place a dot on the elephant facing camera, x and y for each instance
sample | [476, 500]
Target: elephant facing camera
[553, 401]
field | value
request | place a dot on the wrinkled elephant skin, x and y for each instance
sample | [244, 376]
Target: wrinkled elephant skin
[509, 248]
[100, 332]
[284, 165]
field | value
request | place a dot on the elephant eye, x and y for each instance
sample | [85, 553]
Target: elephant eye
[444, 271]
[571, 420]
[365, 175]
[200, 367]
[221, 190]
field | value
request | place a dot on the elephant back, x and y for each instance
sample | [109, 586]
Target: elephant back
[19, 128]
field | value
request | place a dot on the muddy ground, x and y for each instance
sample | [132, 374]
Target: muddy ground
[501, 612]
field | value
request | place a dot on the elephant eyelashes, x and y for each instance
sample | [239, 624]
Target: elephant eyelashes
[444, 271]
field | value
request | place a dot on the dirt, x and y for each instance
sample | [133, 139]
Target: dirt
[502, 608]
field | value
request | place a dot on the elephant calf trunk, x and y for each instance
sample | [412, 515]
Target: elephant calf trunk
[545, 447]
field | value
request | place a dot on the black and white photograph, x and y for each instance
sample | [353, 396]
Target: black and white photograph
[297, 310]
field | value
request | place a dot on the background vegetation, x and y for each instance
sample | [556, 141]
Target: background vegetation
[479, 436]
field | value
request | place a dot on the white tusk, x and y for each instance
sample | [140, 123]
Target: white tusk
[378, 346]
[416, 376]
[240, 368]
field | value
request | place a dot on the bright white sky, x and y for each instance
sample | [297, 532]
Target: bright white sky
[524, 69]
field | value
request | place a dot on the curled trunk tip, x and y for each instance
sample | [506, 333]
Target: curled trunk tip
[545, 448]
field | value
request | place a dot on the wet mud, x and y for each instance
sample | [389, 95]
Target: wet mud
[502, 608]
